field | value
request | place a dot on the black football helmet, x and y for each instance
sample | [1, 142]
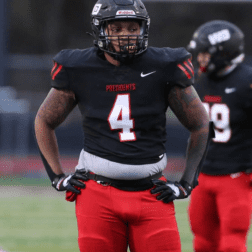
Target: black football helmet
[223, 40]
[105, 11]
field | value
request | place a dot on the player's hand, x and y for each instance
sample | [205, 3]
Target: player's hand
[169, 191]
[68, 182]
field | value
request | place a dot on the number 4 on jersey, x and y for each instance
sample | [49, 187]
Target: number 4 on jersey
[120, 118]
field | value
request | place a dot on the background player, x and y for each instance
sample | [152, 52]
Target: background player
[219, 208]
[123, 90]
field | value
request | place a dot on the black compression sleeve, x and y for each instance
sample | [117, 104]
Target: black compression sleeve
[211, 135]
[48, 168]
[194, 173]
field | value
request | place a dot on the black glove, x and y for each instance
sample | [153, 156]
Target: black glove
[170, 191]
[67, 182]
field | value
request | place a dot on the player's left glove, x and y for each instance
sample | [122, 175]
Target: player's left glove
[169, 191]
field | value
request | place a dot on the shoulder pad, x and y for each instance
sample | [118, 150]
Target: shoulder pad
[73, 58]
[167, 55]
[180, 70]
[177, 54]
[175, 63]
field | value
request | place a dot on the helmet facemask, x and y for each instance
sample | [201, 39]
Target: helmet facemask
[128, 46]
[220, 62]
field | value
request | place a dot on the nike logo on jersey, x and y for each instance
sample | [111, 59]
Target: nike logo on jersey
[230, 90]
[144, 75]
[161, 156]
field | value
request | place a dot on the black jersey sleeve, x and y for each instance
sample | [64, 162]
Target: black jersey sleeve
[59, 77]
[182, 70]
[242, 76]
[246, 95]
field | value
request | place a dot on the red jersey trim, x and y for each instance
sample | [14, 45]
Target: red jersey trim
[185, 71]
[189, 67]
[57, 71]
[54, 67]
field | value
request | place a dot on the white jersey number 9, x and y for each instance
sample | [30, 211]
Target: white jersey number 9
[219, 113]
[120, 118]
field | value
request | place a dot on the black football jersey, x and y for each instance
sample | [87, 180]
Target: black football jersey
[228, 100]
[123, 108]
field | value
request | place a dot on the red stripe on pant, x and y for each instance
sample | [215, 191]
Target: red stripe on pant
[110, 219]
[219, 213]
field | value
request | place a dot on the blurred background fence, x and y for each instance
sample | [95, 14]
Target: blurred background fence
[32, 32]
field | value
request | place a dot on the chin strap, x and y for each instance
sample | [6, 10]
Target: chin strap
[203, 69]
[211, 135]
[123, 59]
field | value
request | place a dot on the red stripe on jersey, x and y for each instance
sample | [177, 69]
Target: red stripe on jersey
[57, 71]
[190, 62]
[212, 98]
[184, 70]
[54, 67]
[189, 67]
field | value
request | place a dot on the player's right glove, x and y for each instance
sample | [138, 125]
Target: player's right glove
[64, 182]
[169, 191]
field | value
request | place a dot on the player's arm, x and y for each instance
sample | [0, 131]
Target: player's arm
[187, 106]
[190, 111]
[53, 111]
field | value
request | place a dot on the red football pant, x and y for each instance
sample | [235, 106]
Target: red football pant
[219, 213]
[110, 219]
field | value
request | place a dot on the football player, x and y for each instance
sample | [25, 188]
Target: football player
[123, 89]
[219, 208]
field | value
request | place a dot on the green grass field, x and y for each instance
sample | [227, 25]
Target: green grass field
[36, 219]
